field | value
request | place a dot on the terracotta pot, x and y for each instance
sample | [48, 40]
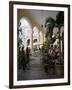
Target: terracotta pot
[59, 69]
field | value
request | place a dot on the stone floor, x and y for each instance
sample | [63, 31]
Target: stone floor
[35, 71]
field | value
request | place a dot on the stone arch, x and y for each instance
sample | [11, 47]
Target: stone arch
[39, 35]
[24, 18]
[26, 28]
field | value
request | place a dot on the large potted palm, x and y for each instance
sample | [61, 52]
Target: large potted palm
[59, 23]
[49, 24]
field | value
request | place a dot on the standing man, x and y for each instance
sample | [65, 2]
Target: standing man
[23, 60]
[27, 55]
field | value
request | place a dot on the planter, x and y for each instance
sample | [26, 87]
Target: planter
[46, 67]
[59, 69]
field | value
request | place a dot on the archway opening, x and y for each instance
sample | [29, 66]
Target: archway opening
[25, 28]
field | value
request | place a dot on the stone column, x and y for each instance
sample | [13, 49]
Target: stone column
[31, 39]
[42, 37]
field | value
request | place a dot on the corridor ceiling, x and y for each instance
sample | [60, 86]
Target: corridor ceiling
[37, 17]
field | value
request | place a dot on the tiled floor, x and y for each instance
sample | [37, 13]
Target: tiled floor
[35, 70]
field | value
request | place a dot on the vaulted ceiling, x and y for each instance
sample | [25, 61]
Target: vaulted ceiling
[36, 17]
